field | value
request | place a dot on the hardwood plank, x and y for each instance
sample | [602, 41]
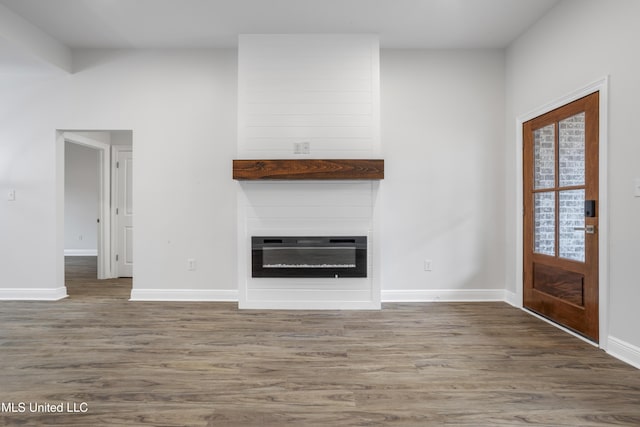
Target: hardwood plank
[316, 169]
[209, 364]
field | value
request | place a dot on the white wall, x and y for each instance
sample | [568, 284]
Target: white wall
[81, 202]
[577, 43]
[121, 137]
[442, 140]
[181, 106]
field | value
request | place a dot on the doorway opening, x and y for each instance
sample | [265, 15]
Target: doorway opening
[92, 194]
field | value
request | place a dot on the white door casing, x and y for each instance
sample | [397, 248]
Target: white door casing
[123, 210]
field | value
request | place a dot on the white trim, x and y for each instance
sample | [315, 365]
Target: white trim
[376, 244]
[104, 212]
[80, 252]
[242, 243]
[601, 86]
[184, 295]
[310, 305]
[115, 151]
[59, 217]
[512, 299]
[624, 351]
[33, 294]
[444, 295]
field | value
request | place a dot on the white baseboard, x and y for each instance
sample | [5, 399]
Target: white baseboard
[310, 305]
[444, 295]
[80, 252]
[624, 351]
[510, 298]
[34, 294]
[184, 295]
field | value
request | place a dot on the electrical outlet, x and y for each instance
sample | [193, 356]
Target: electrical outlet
[636, 187]
[427, 265]
[302, 147]
[191, 264]
[11, 196]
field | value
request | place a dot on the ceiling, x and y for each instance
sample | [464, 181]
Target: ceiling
[434, 24]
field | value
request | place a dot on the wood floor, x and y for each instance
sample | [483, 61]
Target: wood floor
[208, 364]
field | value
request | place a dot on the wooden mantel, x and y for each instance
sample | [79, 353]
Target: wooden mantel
[310, 169]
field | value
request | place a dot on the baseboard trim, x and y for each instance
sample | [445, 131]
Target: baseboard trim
[511, 298]
[309, 305]
[219, 295]
[34, 294]
[80, 252]
[444, 295]
[624, 351]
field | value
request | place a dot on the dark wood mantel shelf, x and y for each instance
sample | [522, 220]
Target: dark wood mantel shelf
[298, 169]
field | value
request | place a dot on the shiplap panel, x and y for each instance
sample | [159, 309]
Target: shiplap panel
[318, 211]
[304, 98]
[309, 120]
[305, 44]
[285, 226]
[324, 284]
[341, 295]
[309, 193]
[310, 109]
[308, 88]
[329, 67]
[324, 90]
[309, 84]
[306, 132]
[333, 146]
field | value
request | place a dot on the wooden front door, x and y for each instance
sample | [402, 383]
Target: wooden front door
[561, 215]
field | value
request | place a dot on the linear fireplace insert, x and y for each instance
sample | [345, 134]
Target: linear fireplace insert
[305, 256]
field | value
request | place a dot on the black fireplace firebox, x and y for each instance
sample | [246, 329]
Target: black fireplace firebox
[316, 256]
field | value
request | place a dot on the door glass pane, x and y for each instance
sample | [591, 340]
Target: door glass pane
[544, 240]
[544, 154]
[571, 217]
[571, 150]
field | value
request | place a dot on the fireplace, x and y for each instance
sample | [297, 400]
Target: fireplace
[304, 256]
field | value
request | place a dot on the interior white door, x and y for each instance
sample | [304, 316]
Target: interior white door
[124, 213]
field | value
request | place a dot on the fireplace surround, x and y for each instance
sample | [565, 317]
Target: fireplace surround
[308, 164]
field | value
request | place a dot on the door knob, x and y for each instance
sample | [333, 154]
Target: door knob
[589, 229]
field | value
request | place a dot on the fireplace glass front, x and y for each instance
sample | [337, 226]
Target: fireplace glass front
[317, 256]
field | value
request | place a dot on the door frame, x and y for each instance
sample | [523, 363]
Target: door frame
[104, 195]
[601, 86]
